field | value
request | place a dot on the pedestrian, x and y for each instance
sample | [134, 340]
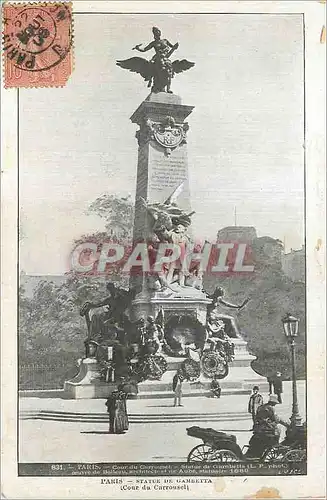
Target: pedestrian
[116, 407]
[270, 380]
[265, 430]
[215, 387]
[278, 386]
[177, 388]
[255, 401]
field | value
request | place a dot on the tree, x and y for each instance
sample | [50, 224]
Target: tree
[118, 214]
[50, 320]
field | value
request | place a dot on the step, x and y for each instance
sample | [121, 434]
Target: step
[177, 415]
[190, 394]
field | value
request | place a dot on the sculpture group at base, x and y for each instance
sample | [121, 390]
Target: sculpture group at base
[137, 351]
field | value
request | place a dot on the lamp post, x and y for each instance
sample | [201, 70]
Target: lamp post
[291, 328]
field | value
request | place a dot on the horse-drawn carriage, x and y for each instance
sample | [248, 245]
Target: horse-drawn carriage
[221, 447]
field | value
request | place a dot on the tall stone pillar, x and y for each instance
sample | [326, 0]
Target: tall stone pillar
[162, 154]
[162, 168]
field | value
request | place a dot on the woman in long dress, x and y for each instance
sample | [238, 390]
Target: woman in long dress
[116, 407]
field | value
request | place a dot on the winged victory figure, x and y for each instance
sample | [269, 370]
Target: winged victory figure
[160, 70]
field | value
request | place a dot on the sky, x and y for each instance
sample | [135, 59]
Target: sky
[245, 143]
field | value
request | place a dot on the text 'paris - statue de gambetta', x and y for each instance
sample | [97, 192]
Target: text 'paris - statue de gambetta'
[160, 70]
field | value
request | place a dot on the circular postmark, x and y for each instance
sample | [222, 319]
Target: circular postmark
[38, 37]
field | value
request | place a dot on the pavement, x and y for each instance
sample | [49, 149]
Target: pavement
[61, 430]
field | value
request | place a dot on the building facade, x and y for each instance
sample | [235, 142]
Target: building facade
[293, 264]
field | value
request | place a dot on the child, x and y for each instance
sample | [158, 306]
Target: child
[177, 388]
[215, 387]
[255, 401]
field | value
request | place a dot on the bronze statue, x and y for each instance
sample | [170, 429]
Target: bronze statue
[215, 313]
[111, 315]
[160, 70]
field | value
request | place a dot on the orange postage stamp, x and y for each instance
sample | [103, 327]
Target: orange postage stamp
[37, 44]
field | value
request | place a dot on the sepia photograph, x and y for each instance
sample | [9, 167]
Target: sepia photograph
[163, 203]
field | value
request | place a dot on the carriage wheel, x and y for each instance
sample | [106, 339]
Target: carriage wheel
[296, 455]
[201, 453]
[274, 453]
[204, 453]
[224, 456]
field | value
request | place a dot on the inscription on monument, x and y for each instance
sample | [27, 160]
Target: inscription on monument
[167, 173]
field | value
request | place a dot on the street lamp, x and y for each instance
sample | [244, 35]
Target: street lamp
[291, 329]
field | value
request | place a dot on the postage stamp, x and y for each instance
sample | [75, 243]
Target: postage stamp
[163, 260]
[37, 44]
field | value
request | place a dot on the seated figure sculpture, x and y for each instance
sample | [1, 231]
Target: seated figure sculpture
[216, 309]
[106, 317]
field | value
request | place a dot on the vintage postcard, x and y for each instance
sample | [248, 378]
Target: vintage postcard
[163, 249]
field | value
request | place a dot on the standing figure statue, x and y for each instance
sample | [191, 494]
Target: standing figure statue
[160, 70]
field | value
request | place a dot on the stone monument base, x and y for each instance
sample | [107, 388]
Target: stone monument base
[186, 301]
[87, 384]
[240, 379]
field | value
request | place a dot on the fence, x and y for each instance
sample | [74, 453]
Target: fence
[46, 375]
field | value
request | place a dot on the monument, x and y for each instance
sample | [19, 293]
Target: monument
[166, 321]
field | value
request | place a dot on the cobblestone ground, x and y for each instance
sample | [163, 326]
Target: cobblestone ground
[59, 430]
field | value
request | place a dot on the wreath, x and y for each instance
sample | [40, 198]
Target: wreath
[190, 369]
[150, 367]
[214, 364]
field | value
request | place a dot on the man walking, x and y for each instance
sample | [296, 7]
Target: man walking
[278, 386]
[270, 380]
[111, 405]
[177, 388]
[255, 401]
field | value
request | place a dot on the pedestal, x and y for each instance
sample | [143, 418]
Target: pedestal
[240, 379]
[88, 384]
